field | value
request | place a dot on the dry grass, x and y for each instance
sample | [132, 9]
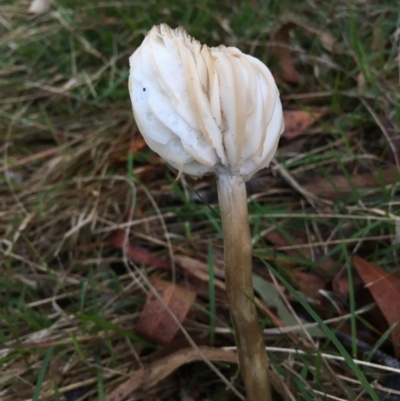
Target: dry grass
[74, 169]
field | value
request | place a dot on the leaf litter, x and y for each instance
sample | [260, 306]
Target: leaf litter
[155, 322]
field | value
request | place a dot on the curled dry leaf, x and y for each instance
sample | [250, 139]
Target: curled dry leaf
[297, 121]
[149, 376]
[385, 289]
[281, 51]
[136, 254]
[155, 321]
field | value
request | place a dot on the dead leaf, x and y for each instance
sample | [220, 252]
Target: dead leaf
[281, 51]
[340, 285]
[149, 376]
[39, 6]
[155, 321]
[385, 289]
[339, 185]
[137, 144]
[309, 284]
[136, 254]
[297, 121]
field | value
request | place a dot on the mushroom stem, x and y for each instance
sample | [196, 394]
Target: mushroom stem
[253, 360]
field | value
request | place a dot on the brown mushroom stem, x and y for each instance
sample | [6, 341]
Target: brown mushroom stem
[253, 360]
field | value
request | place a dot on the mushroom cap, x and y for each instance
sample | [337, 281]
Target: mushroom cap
[204, 110]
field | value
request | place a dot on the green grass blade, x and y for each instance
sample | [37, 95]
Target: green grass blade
[42, 373]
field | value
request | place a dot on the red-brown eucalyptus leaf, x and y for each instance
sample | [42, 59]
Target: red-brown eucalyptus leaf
[136, 254]
[155, 321]
[385, 289]
[281, 51]
[297, 121]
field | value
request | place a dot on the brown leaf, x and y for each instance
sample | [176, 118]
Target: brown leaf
[309, 284]
[136, 254]
[137, 144]
[155, 321]
[297, 121]
[340, 285]
[385, 289]
[339, 185]
[149, 376]
[282, 53]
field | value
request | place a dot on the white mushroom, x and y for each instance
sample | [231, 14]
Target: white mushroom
[214, 111]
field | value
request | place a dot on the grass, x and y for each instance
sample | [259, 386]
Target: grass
[72, 171]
